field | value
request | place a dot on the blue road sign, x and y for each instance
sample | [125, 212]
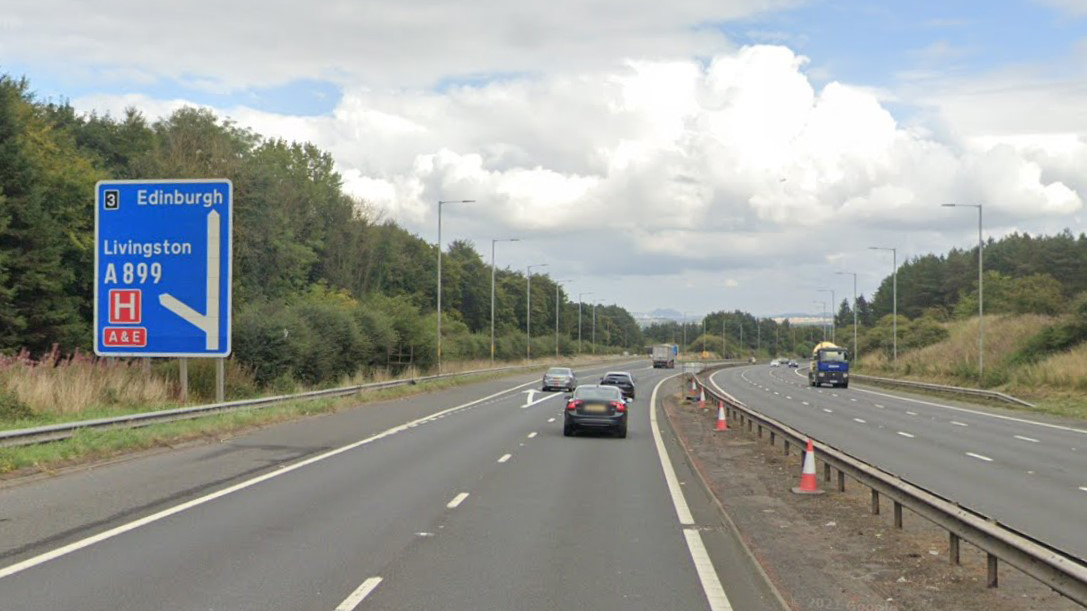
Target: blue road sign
[162, 267]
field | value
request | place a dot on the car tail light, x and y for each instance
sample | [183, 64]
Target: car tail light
[619, 406]
[573, 405]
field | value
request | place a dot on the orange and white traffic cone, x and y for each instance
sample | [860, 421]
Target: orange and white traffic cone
[808, 483]
[702, 398]
[722, 423]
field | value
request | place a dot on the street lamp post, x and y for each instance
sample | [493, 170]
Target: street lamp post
[894, 299]
[579, 296]
[493, 242]
[833, 316]
[823, 318]
[724, 340]
[558, 283]
[440, 204]
[528, 310]
[854, 274]
[981, 291]
[594, 327]
[684, 331]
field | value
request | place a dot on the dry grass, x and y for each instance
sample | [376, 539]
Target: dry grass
[1063, 371]
[78, 383]
[956, 358]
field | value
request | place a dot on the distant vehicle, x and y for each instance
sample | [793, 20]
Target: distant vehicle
[620, 379]
[595, 407]
[775, 363]
[793, 364]
[751, 360]
[559, 378]
[664, 355]
[829, 365]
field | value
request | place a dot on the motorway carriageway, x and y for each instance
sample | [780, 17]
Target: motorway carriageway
[465, 499]
[1027, 474]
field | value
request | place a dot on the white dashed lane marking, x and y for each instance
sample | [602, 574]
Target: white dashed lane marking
[859, 420]
[504, 458]
[911, 413]
[457, 500]
[905, 434]
[359, 594]
[829, 411]
[532, 434]
[1030, 439]
[979, 457]
[957, 423]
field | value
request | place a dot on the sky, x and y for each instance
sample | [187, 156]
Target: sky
[693, 155]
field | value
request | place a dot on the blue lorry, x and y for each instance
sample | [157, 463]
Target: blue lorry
[829, 365]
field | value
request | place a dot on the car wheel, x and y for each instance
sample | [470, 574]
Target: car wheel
[621, 432]
[567, 429]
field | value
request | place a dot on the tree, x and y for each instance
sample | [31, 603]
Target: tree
[844, 317]
[865, 315]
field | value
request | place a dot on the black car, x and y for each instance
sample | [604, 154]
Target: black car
[595, 407]
[621, 379]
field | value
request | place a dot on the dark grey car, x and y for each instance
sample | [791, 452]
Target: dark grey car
[594, 407]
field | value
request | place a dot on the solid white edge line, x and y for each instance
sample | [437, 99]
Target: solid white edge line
[979, 457]
[359, 594]
[282, 470]
[977, 413]
[683, 512]
[1030, 439]
[505, 457]
[457, 500]
[711, 584]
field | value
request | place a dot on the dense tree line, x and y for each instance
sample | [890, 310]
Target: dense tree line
[321, 285]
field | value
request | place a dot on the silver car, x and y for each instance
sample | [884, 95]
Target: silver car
[560, 378]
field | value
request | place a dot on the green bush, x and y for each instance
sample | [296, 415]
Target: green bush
[13, 408]
[1057, 337]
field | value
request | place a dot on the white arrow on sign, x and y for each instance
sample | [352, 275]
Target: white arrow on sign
[209, 322]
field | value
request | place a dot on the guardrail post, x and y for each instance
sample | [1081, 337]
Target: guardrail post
[898, 514]
[841, 481]
[875, 502]
[953, 549]
[992, 581]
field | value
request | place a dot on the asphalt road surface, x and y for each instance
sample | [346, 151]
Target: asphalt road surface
[466, 499]
[1028, 474]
